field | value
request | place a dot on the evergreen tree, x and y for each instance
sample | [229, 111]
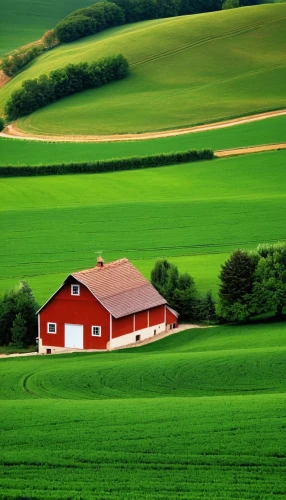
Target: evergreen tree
[19, 331]
[236, 287]
[206, 309]
[18, 301]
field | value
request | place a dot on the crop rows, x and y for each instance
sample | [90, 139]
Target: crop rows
[148, 442]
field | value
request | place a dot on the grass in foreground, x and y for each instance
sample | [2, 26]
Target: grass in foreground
[202, 77]
[195, 213]
[196, 415]
[19, 152]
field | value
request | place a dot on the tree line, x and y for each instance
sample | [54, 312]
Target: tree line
[18, 320]
[181, 293]
[253, 282]
[103, 15]
[233, 4]
[73, 78]
[13, 63]
[114, 165]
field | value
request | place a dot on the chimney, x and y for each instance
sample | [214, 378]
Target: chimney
[100, 262]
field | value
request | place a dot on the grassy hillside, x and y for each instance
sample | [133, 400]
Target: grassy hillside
[194, 213]
[23, 21]
[16, 152]
[206, 67]
[197, 415]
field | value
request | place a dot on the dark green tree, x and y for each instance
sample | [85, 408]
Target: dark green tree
[2, 124]
[269, 292]
[159, 274]
[19, 331]
[206, 311]
[18, 301]
[236, 286]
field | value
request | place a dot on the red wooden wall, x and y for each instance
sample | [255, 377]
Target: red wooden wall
[79, 310]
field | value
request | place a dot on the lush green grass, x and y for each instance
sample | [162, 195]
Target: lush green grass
[205, 67]
[23, 21]
[197, 415]
[16, 152]
[197, 213]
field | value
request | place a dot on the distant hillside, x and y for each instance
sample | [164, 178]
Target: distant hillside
[184, 71]
[23, 21]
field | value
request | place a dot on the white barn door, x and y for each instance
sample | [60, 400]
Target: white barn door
[74, 336]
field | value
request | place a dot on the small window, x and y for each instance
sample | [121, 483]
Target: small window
[52, 328]
[75, 289]
[96, 331]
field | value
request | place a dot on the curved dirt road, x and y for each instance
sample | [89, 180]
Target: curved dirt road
[13, 131]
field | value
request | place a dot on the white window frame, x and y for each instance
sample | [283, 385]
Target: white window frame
[93, 334]
[48, 328]
[78, 286]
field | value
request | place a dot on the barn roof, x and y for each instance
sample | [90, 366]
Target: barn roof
[120, 288]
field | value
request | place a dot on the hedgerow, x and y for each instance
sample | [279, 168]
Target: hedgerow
[109, 165]
[73, 78]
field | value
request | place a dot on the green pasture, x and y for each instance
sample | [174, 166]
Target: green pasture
[22, 152]
[194, 214]
[184, 71]
[24, 21]
[197, 415]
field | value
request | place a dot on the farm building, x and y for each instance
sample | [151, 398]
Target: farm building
[108, 306]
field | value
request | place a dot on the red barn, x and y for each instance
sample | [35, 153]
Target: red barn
[108, 306]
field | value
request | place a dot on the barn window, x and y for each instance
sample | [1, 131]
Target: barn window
[75, 290]
[96, 331]
[52, 327]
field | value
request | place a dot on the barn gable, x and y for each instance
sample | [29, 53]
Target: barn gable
[118, 286]
[105, 307]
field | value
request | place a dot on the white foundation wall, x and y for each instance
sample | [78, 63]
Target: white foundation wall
[130, 338]
[42, 349]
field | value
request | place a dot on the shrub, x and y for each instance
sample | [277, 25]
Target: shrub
[41, 91]
[109, 165]
[13, 63]
[2, 124]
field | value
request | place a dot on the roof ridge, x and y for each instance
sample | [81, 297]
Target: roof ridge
[106, 266]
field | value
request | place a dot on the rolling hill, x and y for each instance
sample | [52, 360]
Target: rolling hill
[198, 414]
[206, 67]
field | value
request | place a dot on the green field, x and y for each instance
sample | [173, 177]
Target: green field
[197, 415]
[195, 213]
[20, 152]
[206, 67]
[24, 21]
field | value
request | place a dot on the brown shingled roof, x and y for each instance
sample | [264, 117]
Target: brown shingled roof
[120, 287]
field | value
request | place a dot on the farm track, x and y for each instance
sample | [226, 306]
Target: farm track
[12, 131]
[203, 40]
